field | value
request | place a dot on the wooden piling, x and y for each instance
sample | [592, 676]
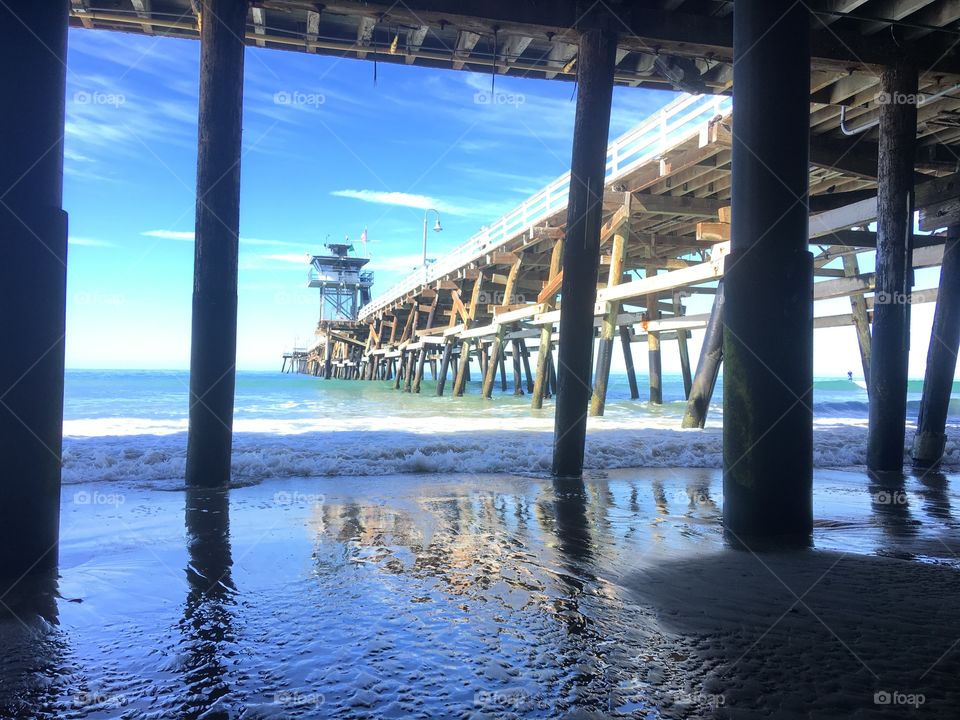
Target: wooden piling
[463, 372]
[891, 310]
[618, 253]
[708, 367]
[328, 356]
[33, 228]
[213, 349]
[421, 362]
[517, 378]
[541, 379]
[581, 256]
[444, 366]
[655, 370]
[768, 280]
[861, 319]
[682, 336]
[525, 356]
[496, 347]
[930, 439]
[625, 342]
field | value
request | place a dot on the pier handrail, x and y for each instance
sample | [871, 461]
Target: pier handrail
[665, 128]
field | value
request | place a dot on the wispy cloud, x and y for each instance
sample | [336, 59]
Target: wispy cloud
[462, 207]
[170, 234]
[89, 242]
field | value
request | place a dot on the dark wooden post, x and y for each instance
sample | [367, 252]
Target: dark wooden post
[891, 310]
[625, 341]
[768, 288]
[517, 377]
[861, 318]
[213, 351]
[421, 362]
[618, 253]
[33, 284]
[581, 251]
[328, 356]
[444, 365]
[525, 356]
[545, 352]
[682, 336]
[930, 440]
[708, 367]
[654, 364]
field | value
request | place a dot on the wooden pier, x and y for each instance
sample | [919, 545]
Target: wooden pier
[846, 114]
[666, 228]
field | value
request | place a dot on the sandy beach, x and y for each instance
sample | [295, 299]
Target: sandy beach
[487, 596]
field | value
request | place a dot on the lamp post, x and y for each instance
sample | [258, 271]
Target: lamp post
[436, 228]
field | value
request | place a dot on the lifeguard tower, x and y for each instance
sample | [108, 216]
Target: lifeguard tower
[344, 289]
[344, 286]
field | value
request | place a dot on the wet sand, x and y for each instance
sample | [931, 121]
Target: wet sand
[487, 596]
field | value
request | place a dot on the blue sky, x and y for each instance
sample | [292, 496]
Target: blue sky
[326, 152]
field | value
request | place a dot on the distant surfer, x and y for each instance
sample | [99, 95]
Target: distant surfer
[849, 376]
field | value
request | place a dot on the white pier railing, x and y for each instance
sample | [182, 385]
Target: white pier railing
[681, 119]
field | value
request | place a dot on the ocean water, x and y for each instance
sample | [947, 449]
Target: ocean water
[131, 426]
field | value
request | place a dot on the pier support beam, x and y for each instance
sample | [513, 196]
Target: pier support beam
[708, 367]
[327, 357]
[653, 347]
[861, 318]
[444, 366]
[628, 360]
[601, 376]
[930, 440]
[213, 350]
[682, 347]
[541, 381]
[581, 253]
[768, 288]
[891, 311]
[33, 234]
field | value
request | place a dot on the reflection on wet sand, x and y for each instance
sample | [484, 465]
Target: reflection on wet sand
[493, 596]
[208, 613]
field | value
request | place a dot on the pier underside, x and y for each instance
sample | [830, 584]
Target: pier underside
[847, 114]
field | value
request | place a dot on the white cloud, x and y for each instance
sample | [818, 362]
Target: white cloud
[463, 207]
[89, 242]
[401, 199]
[170, 234]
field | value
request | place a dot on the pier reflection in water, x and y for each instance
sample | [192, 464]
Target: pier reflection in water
[439, 597]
